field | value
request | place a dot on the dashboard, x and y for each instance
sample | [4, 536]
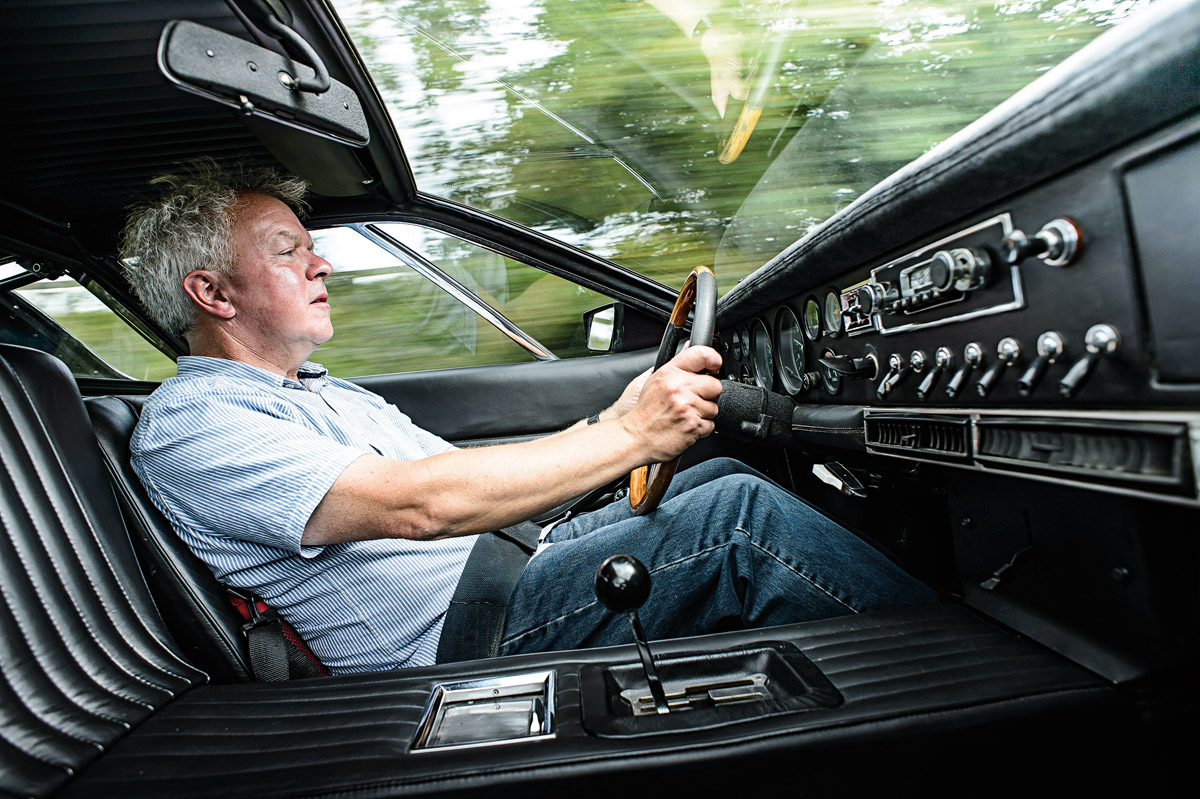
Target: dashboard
[1048, 336]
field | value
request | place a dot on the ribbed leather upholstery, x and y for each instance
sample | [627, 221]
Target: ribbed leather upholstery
[84, 654]
[195, 606]
[902, 674]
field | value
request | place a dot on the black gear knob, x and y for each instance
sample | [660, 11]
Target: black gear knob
[622, 583]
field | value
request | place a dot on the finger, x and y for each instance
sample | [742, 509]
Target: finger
[698, 359]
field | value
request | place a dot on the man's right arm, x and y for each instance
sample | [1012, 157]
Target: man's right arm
[477, 490]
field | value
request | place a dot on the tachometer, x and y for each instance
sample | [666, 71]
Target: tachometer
[789, 342]
[761, 355]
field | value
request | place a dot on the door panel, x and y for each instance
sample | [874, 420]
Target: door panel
[509, 401]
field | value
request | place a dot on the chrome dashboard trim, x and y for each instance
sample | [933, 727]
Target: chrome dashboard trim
[1017, 303]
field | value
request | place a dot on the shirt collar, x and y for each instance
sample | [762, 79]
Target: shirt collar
[311, 376]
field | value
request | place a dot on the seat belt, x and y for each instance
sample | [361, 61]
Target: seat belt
[479, 608]
[277, 652]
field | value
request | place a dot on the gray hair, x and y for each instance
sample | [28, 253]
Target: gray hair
[190, 227]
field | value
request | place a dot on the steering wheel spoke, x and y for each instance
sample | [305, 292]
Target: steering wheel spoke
[698, 297]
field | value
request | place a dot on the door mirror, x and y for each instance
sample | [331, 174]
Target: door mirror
[601, 325]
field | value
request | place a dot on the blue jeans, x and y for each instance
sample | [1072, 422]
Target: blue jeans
[726, 549]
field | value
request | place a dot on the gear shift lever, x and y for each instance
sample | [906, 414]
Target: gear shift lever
[622, 585]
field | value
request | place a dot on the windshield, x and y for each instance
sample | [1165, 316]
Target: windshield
[663, 134]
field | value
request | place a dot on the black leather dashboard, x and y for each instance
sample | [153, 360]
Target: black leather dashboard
[1084, 364]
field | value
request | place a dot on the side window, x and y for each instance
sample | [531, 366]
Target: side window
[546, 306]
[75, 324]
[406, 298]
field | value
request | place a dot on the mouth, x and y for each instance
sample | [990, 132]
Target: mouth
[322, 299]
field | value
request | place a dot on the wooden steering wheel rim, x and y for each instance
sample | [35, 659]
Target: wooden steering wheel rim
[648, 484]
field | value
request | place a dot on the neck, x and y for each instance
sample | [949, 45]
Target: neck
[221, 344]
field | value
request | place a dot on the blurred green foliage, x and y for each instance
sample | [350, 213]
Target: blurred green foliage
[556, 113]
[592, 121]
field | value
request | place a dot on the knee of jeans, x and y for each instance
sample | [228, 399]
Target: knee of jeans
[728, 466]
[742, 488]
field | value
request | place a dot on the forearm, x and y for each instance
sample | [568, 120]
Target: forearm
[476, 490]
[471, 490]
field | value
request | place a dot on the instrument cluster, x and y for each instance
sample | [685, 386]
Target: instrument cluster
[781, 350]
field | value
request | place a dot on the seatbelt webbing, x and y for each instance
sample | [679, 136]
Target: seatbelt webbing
[479, 608]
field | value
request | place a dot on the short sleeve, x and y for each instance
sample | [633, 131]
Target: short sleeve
[242, 464]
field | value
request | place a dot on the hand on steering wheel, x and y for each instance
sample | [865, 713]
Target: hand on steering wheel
[647, 484]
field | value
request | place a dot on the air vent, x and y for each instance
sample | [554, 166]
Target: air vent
[930, 436]
[1097, 451]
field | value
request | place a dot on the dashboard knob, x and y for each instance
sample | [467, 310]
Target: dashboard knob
[898, 369]
[1050, 347]
[1100, 342]
[971, 268]
[1057, 243]
[1017, 246]
[849, 368]
[943, 359]
[874, 297]
[868, 295]
[941, 270]
[972, 357]
[1008, 352]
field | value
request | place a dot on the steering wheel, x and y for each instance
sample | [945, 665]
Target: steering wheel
[647, 484]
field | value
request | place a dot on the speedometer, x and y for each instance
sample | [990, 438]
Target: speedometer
[762, 358]
[789, 342]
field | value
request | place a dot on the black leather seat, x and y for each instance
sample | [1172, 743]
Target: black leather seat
[194, 605]
[85, 655]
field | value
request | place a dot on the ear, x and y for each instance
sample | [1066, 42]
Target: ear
[207, 290]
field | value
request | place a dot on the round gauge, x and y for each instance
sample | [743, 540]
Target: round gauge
[833, 313]
[762, 359]
[789, 343]
[736, 343]
[812, 319]
[829, 378]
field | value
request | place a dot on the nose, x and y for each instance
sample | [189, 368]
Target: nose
[318, 267]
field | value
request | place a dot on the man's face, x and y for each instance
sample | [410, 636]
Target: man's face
[278, 284]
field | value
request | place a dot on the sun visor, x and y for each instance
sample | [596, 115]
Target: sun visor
[259, 82]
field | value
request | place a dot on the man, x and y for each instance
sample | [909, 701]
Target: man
[357, 525]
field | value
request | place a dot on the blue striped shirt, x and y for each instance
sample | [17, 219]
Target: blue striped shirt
[237, 458]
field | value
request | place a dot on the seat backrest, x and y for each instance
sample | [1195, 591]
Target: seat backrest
[194, 605]
[84, 655]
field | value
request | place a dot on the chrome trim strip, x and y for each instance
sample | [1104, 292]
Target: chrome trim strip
[433, 273]
[1017, 303]
[1003, 220]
